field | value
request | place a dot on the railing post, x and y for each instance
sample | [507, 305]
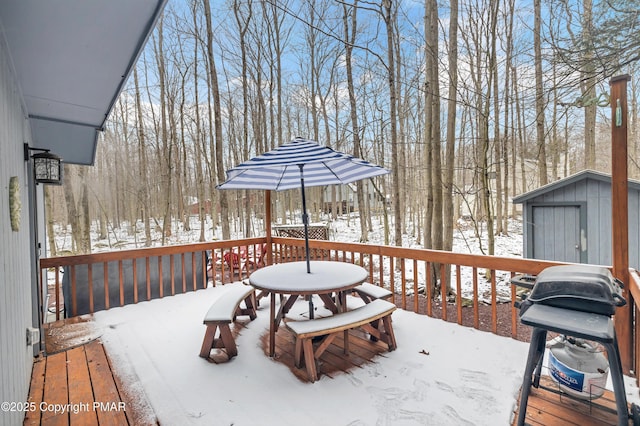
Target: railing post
[620, 215]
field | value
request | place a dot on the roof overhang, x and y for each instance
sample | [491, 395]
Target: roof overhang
[579, 176]
[72, 59]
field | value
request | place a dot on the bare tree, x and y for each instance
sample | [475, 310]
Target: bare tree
[540, 102]
[243, 18]
[389, 15]
[432, 108]
[449, 212]
[215, 91]
[143, 191]
[350, 31]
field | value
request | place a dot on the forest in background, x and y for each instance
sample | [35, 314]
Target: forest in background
[467, 102]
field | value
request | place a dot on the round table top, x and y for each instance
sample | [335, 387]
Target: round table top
[292, 277]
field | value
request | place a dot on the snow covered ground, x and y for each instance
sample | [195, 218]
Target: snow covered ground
[344, 229]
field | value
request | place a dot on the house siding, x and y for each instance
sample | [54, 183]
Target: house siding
[16, 358]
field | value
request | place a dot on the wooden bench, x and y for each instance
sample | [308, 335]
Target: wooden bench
[329, 327]
[369, 292]
[223, 312]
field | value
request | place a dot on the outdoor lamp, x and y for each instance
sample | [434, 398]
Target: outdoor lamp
[47, 167]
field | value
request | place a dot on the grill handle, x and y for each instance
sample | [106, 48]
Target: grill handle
[620, 301]
[524, 280]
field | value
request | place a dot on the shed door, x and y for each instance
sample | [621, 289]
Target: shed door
[559, 233]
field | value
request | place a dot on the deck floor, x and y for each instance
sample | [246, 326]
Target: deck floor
[549, 408]
[81, 380]
[78, 387]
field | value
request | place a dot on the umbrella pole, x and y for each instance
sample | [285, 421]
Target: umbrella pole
[305, 222]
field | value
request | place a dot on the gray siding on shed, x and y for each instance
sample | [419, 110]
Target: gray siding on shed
[592, 191]
[16, 358]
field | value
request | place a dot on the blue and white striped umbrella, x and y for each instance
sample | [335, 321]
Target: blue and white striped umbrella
[280, 169]
[297, 164]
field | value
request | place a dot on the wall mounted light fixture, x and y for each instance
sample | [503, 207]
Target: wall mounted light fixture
[47, 167]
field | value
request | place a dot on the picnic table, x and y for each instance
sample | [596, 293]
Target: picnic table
[292, 279]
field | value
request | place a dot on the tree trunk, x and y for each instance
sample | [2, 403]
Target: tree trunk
[395, 166]
[434, 108]
[143, 198]
[540, 103]
[449, 213]
[588, 83]
[48, 209]
[217, 112]
[243, 25]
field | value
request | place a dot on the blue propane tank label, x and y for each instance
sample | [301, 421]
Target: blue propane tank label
[564, 375]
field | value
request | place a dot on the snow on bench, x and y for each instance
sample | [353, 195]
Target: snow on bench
[366, 316]
[223, 312]
[369, 292]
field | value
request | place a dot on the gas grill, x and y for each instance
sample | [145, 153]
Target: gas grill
[576, 301]
[582, 288]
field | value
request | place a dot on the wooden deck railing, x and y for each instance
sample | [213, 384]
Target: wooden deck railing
[415, 272]
[634, 289]
[107, 280]
[118, 278]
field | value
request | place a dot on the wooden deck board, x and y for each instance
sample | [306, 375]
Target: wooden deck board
[105, 391]
[55, 390]
[80, 391]
[78, 378]
[32, 417]
[550, 409]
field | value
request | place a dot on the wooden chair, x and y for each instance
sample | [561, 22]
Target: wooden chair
[251, 263]
[232, 259]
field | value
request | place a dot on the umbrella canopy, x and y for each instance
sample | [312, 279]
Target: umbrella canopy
[297, 164]
[279, 169]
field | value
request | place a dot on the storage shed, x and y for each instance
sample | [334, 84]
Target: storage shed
[570, 220]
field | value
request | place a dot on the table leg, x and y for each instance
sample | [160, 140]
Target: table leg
[272, 325]
[329, 303]
[341, 306]
[284, 308]
[275, 319]
[341, 299]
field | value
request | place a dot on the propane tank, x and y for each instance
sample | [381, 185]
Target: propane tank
[578, 367]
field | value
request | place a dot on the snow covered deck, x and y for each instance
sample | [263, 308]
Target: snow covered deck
[143, 367]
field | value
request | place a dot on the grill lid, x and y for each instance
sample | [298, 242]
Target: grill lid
[584, 288]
